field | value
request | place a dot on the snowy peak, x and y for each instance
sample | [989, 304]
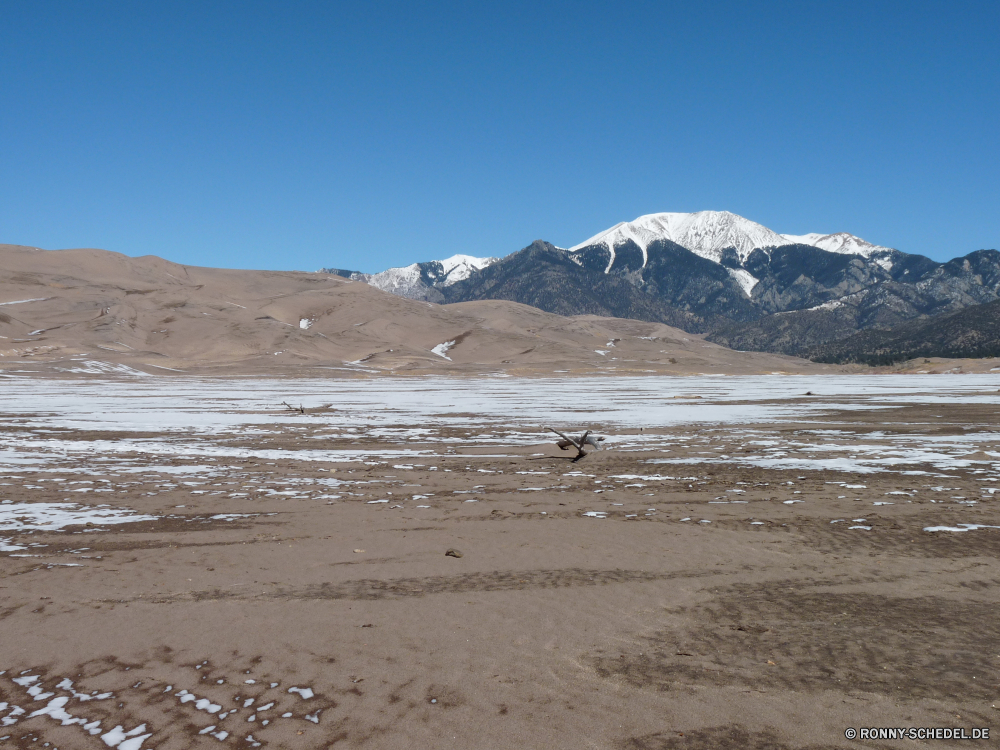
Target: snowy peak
[805, 239]
[841, 242]
[705, 233]
[404, 281]
[422, 280]
[460, 267]
[709, 233]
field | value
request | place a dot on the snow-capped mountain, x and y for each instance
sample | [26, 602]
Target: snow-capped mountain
[709, 233]
[741, 283]
[705, 233]
[458, 267]
[421, 280]
[403, 282]
[841, 242]
[714, 272]
[721, 237]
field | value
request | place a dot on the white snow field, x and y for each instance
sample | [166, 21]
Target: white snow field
[190, 417]
[708, 233]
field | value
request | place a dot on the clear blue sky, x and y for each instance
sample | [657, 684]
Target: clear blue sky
[295, 135]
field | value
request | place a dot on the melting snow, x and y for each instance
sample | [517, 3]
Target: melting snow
[744, 278]
[960, 527]
[442, 349]
[22, 301]
[55, 516]
[831, 305]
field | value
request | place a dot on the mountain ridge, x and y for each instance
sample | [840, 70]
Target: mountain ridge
[419, 280]
[717, 273]
[708, 234]
[973, 332]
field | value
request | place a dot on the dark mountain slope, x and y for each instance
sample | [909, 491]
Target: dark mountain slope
[971, 332]
[849, 293]
[803, 298]
[790, 333]
[693, 283]
[543, 276]
[796, 277]
[671, 274]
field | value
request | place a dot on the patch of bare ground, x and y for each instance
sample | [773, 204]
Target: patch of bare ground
[370, 590]
[789, 636]
[729, 737]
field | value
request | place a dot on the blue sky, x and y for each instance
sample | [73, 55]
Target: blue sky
[297, 135]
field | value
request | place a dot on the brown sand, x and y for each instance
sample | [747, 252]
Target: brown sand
[150, 314]
[552, 630]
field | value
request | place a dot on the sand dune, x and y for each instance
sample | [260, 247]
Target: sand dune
[86, 305]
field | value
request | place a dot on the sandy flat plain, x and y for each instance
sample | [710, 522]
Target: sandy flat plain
[751, 562]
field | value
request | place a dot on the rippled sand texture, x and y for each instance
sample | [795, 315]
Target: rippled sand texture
[751, 562]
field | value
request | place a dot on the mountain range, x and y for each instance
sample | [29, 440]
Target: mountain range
[420, 280]
[713, 272]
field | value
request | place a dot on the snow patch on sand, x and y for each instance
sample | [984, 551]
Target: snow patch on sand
[442, 349]
[57, 516]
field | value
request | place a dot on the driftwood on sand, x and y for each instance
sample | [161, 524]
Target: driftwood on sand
[585, 439]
